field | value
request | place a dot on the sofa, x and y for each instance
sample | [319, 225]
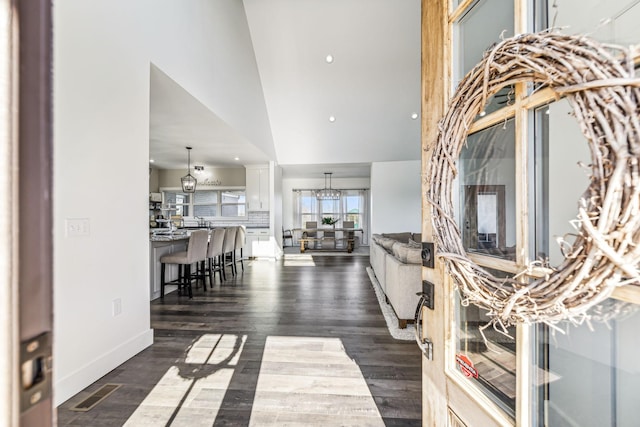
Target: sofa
[397, 264]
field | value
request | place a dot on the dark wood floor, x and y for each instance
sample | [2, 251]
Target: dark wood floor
[301, 341]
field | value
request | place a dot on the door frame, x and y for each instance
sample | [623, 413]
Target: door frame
[26, 179]
[9, 333]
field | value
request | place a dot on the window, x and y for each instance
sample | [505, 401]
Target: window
[487, 190]
[492, 352]
[177, 203]
[206, 203]
[352, 206]
[233, 203]
[588, 374]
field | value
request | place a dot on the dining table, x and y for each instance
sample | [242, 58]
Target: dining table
[317, 235]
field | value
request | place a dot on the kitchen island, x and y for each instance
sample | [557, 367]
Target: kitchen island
[159, 246]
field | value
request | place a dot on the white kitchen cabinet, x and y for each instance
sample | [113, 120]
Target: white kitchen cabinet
[258, 243]
[257, 188]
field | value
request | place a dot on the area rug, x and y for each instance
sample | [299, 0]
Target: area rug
[406, 334]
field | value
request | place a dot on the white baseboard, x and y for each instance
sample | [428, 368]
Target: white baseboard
[72, 384]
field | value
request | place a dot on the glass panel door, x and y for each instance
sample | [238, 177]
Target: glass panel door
[591, 375]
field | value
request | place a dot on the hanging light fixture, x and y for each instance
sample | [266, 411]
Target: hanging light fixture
[188, 181]
[327, 193]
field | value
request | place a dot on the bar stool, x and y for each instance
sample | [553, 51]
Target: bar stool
[214, 255]
[228, 249]
[196, 252]
[240, 241]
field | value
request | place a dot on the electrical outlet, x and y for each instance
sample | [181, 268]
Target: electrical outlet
[117, 307]
[77, 227]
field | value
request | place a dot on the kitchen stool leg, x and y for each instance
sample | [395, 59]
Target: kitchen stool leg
[162, 280]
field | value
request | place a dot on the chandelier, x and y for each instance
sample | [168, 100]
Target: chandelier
[327, 193]
[188, 181]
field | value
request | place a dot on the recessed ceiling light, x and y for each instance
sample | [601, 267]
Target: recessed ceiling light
[236, 158]
[151, 160]
[332, 119]
[414, 116]
[329, 59]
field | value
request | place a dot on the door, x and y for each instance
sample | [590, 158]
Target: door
[484, 218]
[25, 86]
[525, 140]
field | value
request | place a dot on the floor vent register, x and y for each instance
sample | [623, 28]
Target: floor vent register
[96, 397]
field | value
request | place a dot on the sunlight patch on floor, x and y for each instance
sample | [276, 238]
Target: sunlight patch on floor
[308, 381]
[311, 381]
[191, 392]
[298, 260]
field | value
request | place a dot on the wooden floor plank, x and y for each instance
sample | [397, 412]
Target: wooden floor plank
[280, 344]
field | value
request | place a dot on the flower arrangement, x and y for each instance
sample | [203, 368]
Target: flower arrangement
[329, 220]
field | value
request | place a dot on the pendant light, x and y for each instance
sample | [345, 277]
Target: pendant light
[328, 193]
[188, 181]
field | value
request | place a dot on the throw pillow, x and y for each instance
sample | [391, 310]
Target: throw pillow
[414, 256]
[413, 244]
[401, 237]
[400, 251]
[386, 243]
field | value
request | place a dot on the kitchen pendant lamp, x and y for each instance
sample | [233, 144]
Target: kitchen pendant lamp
[328, 193]
[188, 181]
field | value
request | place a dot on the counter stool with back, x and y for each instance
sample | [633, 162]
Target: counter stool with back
[196, 253]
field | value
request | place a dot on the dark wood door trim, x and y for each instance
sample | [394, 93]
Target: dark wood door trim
[34, 192]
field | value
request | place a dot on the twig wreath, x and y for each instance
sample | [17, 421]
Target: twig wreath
[598, 80]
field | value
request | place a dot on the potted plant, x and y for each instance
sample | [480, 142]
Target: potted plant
[327, 220]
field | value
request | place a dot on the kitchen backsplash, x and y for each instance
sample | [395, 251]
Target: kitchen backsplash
[254, 219]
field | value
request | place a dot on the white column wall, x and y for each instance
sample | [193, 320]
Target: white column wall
[396, 197]
[102, 56]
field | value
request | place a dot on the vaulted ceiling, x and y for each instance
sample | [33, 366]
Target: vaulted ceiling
[344, 113]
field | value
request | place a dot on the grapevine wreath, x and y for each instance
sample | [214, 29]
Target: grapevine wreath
[598, 81]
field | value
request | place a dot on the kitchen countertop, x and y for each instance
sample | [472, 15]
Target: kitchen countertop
[184, 233]
[169, 237]
[188, 227]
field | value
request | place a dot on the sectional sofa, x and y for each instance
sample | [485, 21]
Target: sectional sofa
[397, 264]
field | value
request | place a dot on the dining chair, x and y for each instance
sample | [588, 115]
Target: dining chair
[286, 234]
[310, 225]
[346, 235]
[328, 240]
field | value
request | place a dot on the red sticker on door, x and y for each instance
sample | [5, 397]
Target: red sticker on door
[466, 366]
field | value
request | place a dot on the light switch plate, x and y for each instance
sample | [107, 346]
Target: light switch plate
[77, 227]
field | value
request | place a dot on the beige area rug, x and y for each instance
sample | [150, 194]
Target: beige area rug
[406, 334]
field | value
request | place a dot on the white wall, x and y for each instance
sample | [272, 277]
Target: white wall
[396, 197]
[102, 56]
[229, 177]
[276, 205]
